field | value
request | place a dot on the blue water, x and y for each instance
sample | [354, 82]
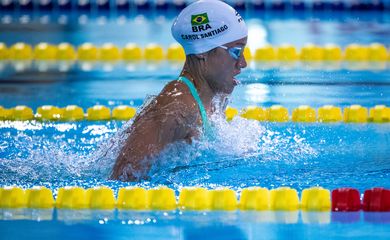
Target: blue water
[245, 153]
[259, 154]
[192, 225]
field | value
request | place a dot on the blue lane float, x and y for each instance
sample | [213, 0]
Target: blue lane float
[84, 6]
[257, 5]
[26, 5]
[7, 6]
[122, 5]
[142, 5]
[298, 5]
[46, 5]
[65, 5]
[104, 5]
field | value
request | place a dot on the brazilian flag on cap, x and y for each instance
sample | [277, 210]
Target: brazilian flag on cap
[199, 19]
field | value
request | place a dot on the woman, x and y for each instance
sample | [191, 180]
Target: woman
[213, 36]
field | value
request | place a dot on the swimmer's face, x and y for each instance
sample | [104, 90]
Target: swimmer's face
[222, 68]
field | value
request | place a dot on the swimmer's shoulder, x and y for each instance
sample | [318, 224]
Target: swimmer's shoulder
[178, 92]
[176, 100]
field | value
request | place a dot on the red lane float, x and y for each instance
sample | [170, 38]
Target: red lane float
[345, 200]
[376, 200]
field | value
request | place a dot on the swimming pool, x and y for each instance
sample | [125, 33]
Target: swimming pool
[246, 153]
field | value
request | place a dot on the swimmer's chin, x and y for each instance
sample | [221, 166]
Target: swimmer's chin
[236, 81]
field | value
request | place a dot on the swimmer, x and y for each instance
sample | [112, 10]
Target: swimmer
[213, 36]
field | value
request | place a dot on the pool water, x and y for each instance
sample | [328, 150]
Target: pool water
[245, 153]
[192, 225]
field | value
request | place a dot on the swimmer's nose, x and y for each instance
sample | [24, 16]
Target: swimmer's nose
[242, 62]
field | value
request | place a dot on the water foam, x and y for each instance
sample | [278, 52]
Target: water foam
[62, 151]
[57, 151]
[238, 144]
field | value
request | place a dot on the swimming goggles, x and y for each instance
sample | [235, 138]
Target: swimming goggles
[235, 52]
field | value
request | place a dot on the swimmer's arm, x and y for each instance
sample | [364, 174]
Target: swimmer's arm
[148, 138]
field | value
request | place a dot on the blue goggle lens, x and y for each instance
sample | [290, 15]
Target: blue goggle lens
[235, 52]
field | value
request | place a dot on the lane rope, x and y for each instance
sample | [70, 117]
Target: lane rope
[125, 6]
[375, 52]
[275, 113]
[197, 198]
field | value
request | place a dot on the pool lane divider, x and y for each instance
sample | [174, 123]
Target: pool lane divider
[288, 6]
[197, 199]
[275, 113]
[109, 52]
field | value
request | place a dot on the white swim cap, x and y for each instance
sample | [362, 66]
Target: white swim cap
[207, 24]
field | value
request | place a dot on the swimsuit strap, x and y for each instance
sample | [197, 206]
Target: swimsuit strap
[202, 110]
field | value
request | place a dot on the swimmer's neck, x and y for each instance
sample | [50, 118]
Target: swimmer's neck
[205, 92]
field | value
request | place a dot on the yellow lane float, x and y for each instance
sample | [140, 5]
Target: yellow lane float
[311, 52]
[329, 113]
[98, 113]
[12, 197]
[230, 113]
[4, 52]
[304, 113]
[131, 52]
[22, 113]
[162, 198]
[332, 52]
[72, 113]
[66, 52]
[266, 53]
[100, 197]
[39, 197]
[20, 51]
[356, 52]
[133, 198]
[377, 52]
[355, 114]
[123, 112]
[254, 113]
[71, 197]
[48, 113]
[87, 52]
[254, 198]
[315, 199]
[379, 114]
[154, 52]
[109, 52]
[223, 199]
[45, 52]
[176, 53]
[194, 198]
[284, 199]
[286, 52]
[277, 113]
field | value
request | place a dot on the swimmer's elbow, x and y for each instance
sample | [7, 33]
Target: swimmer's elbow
[124, 177]
[130, 170]
[127, 174]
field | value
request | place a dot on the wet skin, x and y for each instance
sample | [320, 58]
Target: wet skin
[174, 114]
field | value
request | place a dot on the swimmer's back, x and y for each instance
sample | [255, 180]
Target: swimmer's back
[172, 116]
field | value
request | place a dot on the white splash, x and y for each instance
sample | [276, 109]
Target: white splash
[89, 151]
